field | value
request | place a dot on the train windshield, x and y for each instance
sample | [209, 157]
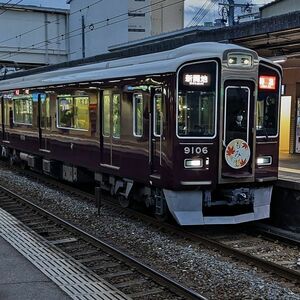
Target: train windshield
[196, 102]
[267, 102]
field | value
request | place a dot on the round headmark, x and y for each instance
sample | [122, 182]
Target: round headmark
[237, 153]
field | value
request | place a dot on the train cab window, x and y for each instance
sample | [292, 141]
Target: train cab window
[196, 102]
[116, 115]
[23, 109]
[138, 108]
[106, 115]
[267, 106]
[158, 115]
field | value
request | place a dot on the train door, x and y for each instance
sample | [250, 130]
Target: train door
[156, 131]
[43, 119]
[238, 131]
[111, 128]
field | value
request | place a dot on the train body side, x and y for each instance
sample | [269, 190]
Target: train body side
[163, 139]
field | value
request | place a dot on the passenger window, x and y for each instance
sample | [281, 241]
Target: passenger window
[73, 112]
[65, 112]
[45, 111]
[106, 115]
[23, 110]
[158, 114]
[116, 115]
[81, 112]
[138, 115]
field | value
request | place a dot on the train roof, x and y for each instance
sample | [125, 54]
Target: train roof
[155, 63]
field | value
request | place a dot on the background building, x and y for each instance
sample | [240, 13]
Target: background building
[31, 36]
[100, 25]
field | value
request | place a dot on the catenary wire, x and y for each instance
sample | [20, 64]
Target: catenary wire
[67, 36]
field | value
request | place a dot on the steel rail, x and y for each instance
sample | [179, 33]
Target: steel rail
[185, 233]
[157, 276]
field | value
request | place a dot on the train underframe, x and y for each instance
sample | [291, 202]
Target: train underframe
[229, 204]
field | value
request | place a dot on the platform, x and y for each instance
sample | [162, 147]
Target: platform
[289, 170]
[33, 268]
[21, 280]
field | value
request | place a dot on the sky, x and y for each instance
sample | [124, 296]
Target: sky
[191, 6]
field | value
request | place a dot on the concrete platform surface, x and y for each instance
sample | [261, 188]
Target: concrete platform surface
[289, 167]
[21, 280]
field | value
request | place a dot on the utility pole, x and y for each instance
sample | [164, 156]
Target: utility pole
[229, 10]
[83, 36]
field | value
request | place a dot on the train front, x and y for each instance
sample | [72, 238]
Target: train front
[227, 142]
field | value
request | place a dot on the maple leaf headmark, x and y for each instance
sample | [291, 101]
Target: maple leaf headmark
[243, 162]
[230, 151]
[245, 145]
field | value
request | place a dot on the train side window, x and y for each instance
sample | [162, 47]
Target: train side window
[158, 114]
[45, 111]
[116, 115]
[106, 115]
[23, 110]
[81, 112]
[65, 112]
[138, 104]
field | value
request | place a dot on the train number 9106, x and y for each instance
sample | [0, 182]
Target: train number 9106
[195, 150]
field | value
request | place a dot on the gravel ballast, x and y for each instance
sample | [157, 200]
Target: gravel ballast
[203, 270]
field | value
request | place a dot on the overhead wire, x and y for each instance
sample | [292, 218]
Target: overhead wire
[68, 36]
[152, 10]
[202, 12]
[199, 11]
[48, 23]
[11, 6]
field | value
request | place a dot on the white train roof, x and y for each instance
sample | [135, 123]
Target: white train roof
[155, 63]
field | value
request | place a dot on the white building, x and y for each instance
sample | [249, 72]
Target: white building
[279, 7]
[101, 25]
[32, 36]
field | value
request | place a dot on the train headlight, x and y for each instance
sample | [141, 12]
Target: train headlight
[193, 163]
[264, 160]
[239, 60]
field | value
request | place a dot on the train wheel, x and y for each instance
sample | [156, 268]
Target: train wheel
[165, 217]
[124, 202]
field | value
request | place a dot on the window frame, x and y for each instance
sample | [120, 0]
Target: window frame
[155, 115]
[102, 115]
[279, 104]
[216, 100]
[134, 115]
[21, 123]
[111, 115]
[57, 113]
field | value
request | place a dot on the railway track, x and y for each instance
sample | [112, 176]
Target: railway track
[131, 277]
[262, 248]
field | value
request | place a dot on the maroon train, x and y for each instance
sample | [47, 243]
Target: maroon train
[192, 131]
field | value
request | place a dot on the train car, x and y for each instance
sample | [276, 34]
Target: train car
[192, 131]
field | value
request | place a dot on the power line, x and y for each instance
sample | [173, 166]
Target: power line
[11, 6]
[119, 21]
[44, 25]
[67, 36]
[199, 11]
[202, 12]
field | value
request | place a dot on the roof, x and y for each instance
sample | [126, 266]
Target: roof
[155, 63]
[5, 6]
[270, 4]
